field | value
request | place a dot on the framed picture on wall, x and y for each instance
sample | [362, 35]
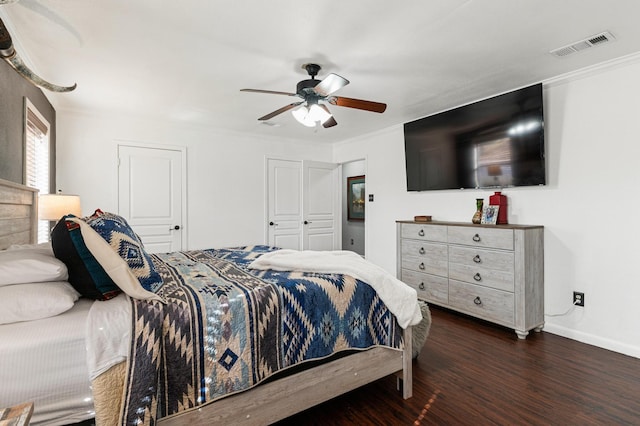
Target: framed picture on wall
[355, 198]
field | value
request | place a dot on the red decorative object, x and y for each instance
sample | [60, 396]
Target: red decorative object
[498, 199]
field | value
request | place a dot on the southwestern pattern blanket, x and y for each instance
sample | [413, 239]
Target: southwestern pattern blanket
[226, 328]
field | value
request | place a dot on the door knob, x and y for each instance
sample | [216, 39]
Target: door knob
[271, 223]
[306, 222]
[175, 228]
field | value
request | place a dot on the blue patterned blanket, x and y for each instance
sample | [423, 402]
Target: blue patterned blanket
[226, 328]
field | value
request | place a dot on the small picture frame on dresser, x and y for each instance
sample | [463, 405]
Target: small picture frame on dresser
[489, 215]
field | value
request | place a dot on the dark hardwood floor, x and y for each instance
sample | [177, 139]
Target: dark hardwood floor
[472, 372]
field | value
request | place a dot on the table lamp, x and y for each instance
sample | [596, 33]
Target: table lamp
[53, 206]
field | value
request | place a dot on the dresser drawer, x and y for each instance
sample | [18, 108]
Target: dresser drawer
[486, 303]
[429, 287]
[424, 249]
[437, 265]
[487, 259]
[478, 275]
[481, 237]
[424, 232]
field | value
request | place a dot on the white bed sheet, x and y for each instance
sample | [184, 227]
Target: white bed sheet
[52, 361]
[108, 334]
[44, 361]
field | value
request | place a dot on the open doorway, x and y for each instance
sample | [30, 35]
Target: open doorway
[353, 231]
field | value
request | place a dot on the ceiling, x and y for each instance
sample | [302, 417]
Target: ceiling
[186, 61]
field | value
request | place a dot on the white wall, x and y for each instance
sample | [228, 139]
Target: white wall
[588, 208]
[225, 180]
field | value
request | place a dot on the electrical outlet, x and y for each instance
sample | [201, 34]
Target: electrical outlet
[578, 298]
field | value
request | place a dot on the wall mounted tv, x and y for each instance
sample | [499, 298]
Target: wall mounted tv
[493, 143]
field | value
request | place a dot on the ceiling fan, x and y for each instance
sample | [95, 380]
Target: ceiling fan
[313, 93]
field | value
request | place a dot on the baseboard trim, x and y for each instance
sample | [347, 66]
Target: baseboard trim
[593, 340]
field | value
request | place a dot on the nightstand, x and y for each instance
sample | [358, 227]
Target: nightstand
[18, 415]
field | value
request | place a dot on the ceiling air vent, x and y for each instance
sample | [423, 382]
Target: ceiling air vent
[587, 43]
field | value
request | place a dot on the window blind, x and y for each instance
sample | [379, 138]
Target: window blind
[37, 158]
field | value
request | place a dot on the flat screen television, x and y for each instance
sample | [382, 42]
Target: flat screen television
[493, 143]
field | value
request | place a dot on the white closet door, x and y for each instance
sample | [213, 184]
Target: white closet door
[284, 203]
[320, 205]
[302, 204]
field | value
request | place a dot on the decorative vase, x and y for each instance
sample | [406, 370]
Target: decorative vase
[477, 216]
[498, 199]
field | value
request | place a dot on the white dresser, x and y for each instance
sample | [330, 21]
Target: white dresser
[493, 272]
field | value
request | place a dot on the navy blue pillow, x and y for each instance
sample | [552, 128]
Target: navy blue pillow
[85, 273]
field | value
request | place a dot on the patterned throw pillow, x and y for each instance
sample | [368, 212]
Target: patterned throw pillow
[116, 231]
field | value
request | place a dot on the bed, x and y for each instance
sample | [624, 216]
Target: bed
[41, 360]
[273, 393]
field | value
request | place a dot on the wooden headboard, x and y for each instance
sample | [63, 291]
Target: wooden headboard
[18, 214]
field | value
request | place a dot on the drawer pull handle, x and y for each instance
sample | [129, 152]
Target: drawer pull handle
[421, 232]
[421, 251]
[476, 238]
[421, 286]
[421, 265]
[477, 259]
[477, 277]
[477, 301]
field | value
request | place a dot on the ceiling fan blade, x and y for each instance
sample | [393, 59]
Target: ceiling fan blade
[279, 111]
[330, 84]
[357, 103]
[330, 122]
[270, 92]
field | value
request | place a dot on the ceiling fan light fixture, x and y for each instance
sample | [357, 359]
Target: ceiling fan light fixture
[312, 91]
[310, 115]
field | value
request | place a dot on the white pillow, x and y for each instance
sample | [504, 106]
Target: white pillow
[34, 265]
[32, 301]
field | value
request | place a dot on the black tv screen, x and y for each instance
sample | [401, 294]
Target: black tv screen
[494, 143]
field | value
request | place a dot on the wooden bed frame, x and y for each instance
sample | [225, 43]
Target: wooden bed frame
[268, 402]
[273, 401]
[18, 214]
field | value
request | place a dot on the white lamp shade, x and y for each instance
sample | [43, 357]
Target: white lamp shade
[301, 114]
[309, 116]
[317, 113]
[54, 206]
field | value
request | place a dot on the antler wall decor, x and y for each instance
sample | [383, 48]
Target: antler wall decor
[9, 54]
